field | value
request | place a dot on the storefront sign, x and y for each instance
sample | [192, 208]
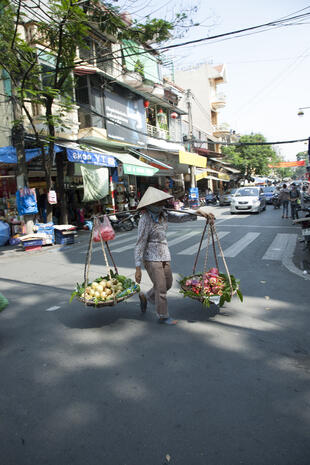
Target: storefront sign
[128, 112]
[137, 170]
[189, 158]
[224, 177]
[91, 158]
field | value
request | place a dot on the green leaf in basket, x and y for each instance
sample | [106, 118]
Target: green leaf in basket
[74, 294]
[240, 295]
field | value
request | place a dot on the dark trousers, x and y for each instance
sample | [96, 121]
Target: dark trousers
[294, 211]
[285, 208]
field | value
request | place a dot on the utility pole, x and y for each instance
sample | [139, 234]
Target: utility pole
[190, 136]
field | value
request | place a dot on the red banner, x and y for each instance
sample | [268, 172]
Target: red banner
[288, 164]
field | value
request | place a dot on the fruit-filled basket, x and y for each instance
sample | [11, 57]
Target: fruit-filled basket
[106, 290]
[210, 287]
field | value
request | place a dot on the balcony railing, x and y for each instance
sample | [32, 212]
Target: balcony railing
[218, 101]
[154, 131]
[221, 129]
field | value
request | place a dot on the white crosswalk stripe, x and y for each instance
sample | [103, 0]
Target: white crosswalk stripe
[132, 244]
[194, 248]
[240, 245]
[276, 250]
[183, 237]
[279, 246]
[118, 241]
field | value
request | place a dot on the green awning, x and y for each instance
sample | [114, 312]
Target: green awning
[133, 166]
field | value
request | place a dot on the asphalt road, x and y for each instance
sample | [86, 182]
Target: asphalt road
[112, 387]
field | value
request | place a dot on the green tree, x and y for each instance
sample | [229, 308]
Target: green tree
[301, 170]
[251, 160]
[60, 28]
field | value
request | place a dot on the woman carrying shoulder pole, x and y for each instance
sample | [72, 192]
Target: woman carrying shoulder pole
[152, 251]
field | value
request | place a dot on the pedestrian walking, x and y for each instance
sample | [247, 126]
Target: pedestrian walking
[294, 199]
[284, 198]
[152, 251]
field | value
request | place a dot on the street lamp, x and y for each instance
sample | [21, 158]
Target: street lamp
[300, 111]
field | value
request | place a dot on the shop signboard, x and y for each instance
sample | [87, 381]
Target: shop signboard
[137, 170]
[189, 158]
[126, 115]
[91, 158]
[224, 176]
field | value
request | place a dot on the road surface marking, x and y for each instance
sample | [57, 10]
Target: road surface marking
[183, 237]
[254, 226]
[277, 248]
[240, 245]
[194, 248]
[132, 244]
[118, 241]
[52, 309]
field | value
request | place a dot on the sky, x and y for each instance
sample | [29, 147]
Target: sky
[267, 72]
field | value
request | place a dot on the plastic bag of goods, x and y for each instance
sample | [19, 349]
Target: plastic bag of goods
[103, 229]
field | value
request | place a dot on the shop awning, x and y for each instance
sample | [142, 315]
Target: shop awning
[203, 174]
[232, 170]
[219, 161]
[199, 177]
[87, 157]
[133, 166]
[8, 154]
[156, 163]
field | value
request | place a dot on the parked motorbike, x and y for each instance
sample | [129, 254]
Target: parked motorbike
[211, 199]
[305, 226]
[275, 201]
[122, 221]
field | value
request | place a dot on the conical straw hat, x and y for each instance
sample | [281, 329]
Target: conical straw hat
[151, 196]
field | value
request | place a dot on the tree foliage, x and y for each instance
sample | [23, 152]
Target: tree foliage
[61, 27]
[251, 160]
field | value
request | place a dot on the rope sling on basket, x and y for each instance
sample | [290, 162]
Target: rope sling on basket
[105, 290]
[210, 286]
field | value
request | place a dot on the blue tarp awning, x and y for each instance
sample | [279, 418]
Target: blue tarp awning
[8, 154]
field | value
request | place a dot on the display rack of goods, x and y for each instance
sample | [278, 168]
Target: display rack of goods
[64, 234]
[32, 242]
[46, 230]
[105, 290]
[210, 286]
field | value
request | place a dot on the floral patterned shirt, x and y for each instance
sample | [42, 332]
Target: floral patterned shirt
[152, 243]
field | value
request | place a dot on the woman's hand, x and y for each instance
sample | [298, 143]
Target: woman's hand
[208, 216]
[138, 274]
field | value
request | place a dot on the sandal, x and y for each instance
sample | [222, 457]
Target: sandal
[143, 302]
[167, 321]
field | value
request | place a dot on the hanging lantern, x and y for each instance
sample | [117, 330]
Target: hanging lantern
[161, 115]
[174, 115]
[146, 103]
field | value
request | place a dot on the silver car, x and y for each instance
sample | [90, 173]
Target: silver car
[248, 199]
[226, 197]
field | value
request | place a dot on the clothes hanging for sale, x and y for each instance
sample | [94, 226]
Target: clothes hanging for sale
[96, 182]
